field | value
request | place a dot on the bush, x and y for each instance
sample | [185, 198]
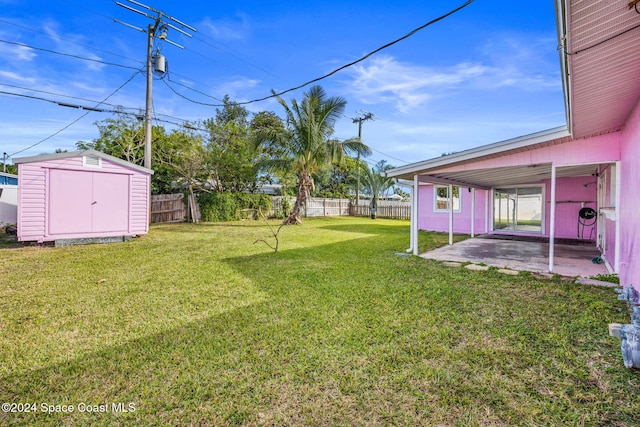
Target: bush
[230, 206]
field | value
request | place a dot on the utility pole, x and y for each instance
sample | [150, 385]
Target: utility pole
[158, 29]
[366, 116]
[4, 162]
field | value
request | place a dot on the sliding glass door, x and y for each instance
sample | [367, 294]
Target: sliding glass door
[518, 209]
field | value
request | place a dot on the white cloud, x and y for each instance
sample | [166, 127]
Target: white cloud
[384, 79]
[17, 52]
[17, 77]
[225, 29]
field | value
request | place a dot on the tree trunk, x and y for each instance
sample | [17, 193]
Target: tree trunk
[305, 182]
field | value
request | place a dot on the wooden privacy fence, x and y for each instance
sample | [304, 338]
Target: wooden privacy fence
[319, 207]
[386, 209]
[167, 208]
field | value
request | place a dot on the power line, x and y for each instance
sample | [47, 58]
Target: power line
[79, 118]
[350, 64]
[391, 157]
[70, 41]
[67, 54]
[59, 94]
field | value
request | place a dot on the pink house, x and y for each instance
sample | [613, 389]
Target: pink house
[81, 196]
[538, 185]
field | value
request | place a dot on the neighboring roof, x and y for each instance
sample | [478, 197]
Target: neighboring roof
[8, 175]
[600, 59]
[67, 155]
[497, 149]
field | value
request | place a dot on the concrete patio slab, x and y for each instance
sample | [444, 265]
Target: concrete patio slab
[570, 260]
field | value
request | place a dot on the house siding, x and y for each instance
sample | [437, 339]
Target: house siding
[629, 209]
[439, 221]
[598, 149]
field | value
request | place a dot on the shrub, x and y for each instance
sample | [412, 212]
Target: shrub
[230, 206]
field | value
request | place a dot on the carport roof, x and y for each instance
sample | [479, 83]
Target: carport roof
[427, 169]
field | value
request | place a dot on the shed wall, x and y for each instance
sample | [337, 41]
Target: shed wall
[123, 192]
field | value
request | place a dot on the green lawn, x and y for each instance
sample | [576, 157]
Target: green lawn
[196, 325]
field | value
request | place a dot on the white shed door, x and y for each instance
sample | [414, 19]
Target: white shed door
[88, 202]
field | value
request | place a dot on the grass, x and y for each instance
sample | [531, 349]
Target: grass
[195, 325]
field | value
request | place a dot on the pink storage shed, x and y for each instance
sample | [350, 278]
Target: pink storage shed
[81, 196]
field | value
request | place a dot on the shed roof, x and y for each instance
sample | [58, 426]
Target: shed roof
[67, 155]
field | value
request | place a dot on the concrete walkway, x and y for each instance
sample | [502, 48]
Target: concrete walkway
[570, 260]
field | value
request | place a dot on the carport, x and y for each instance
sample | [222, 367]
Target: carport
[570, 258]
[551, 160]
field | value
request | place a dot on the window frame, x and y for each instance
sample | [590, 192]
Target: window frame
[446, 210]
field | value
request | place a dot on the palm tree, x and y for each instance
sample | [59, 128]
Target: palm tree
[375, 183]
[306, 144]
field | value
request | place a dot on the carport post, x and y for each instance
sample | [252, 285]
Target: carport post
[451, 213]
[552, 217]
[414, 215]
[473, 212]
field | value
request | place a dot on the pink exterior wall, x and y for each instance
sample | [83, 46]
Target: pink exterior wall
[629, 209]
[439, 221]
[598, 149]
[567, 189]
[61, 198]
[570, 189]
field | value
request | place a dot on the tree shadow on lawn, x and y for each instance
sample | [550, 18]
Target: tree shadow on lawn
[349, 334]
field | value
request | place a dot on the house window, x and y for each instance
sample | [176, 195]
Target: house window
[441, 198]
[92, 161]
[519, 209]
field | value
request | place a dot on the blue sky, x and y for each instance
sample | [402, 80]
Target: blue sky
[487, 73]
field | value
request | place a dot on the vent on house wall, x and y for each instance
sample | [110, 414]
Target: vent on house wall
[92, 161]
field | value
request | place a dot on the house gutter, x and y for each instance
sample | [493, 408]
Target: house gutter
[562, 12]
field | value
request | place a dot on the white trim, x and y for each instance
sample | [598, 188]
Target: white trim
[449, 188]
[484, 150]
[86, 164]
[414, 214]
[70, 154]
[473, 212]
[552, 218]
[487, 210]
[543, 216]
[618, 178]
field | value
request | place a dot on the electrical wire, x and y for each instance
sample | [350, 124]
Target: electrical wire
[81, 117]
[350, 64]
[67, 54]
[600, 42]
[391, 157]
[116, 109]
[72, 42]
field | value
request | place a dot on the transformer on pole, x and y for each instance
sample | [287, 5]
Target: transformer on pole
[158, 29]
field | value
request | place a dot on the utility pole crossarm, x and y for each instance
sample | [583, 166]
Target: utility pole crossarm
[157, 29]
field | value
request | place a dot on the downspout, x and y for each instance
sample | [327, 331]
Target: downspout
[552, 218]
[413, 198]
[451, 214]
[414, 213]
